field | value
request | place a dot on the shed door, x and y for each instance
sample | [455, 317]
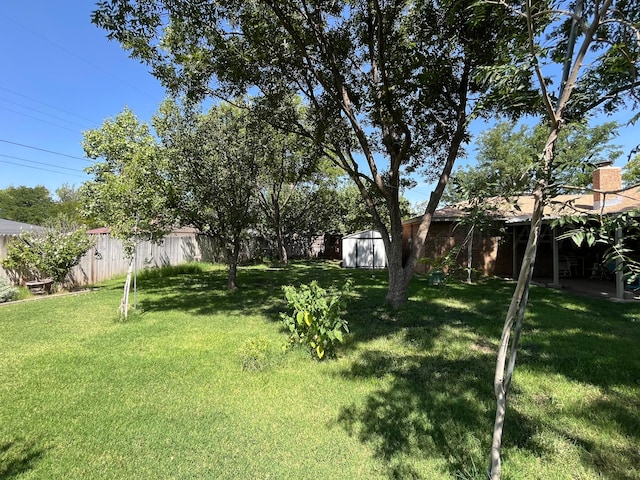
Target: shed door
[364, 253]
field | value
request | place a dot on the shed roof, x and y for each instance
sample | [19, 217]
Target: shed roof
[364, 234]
[9, 227]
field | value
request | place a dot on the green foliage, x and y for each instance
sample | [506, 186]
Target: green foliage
[592, 230]
[387, 86]
[128, 193]
[51, 253]
[507, 160]
[26, 204]
[256, 355]
[7, 291]
[317, 317]
[446, 263]
[631, 173]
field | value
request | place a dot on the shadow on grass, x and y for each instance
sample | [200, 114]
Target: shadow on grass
[440, 405]
[260, 288]
[18, 456]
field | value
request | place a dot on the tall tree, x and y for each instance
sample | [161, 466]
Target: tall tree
[596, 46]
[291, 177]
[213, 169]
[26, 204]
[389, 85]
[127, 193]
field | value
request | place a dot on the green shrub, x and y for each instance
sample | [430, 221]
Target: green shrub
[316, 320]
[7, 291]
[50, 253]
[255, 355]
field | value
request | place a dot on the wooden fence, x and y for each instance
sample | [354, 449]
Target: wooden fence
[107, 259]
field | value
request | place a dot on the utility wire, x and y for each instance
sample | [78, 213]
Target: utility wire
[43, 169]
[44, 150]
[49, 105]
[39, 119]
[40, 163]
[84, 60]
[41, 112]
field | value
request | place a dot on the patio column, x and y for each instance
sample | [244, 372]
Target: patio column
[556, 258]
[619, 267]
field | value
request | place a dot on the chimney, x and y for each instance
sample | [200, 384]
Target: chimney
[606, 178]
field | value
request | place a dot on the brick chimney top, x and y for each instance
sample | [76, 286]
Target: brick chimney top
[606, 178]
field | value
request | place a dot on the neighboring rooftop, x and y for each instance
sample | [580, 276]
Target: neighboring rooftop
[9, 227]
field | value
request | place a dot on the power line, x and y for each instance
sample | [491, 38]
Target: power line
[40, 163]
[39, 119]
[42, 169]
[69, 52]
[48, 105]
[41, 112]
[44, 150]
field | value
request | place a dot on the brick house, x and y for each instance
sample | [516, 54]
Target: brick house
[500, 251]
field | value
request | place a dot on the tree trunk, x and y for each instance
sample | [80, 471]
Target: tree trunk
[515, 315]
[282, 251]
[399, 276]
[509, 347]
[124, 304]
[232, 263]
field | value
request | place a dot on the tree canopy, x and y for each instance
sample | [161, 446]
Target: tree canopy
[26, 204]
[127, 193]
[388, 86]
[507, 160]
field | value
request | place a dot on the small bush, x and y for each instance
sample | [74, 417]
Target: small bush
[316, 320]
[255, 355]
[7, 291]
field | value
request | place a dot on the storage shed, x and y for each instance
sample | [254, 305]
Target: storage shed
[363, 250]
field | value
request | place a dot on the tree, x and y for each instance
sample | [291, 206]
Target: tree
[51, 253]
[290, 182]
[631, 173]
[127, 193]
[69, 203]
[26, 204]
[507, 160]
[388, 85]
[213, 169]
[596, 45]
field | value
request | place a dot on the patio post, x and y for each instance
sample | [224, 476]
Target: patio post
[556, 258]
[619, 267]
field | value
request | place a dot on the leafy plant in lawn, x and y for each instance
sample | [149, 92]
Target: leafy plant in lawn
[255, 354]
[317, 317]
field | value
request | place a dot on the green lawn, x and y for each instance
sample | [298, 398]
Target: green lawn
[163, 395]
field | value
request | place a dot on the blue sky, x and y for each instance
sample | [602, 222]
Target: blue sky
[62, 76]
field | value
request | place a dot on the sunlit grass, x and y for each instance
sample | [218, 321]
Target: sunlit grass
[167, 393]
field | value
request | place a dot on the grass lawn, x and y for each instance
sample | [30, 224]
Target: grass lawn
[163, 395]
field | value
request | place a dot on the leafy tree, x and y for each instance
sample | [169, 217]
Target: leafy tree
[26, 204]
[51, 253]
[291, 181]
[507, 160]
[596, 45]
[127, 193]
[631, 172]
[213, 169]
[352, 214]
[69, 203]
[389, 86]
